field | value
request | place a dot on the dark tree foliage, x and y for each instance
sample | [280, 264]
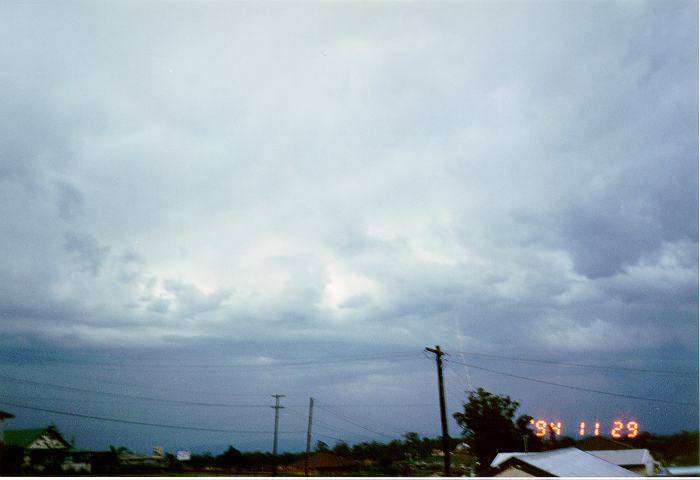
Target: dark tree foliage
[321, 446]
[257, 460]
[416, 447]
[11, 458]
[201, 461]
[230, 458]
[488, 426]
[677, 449]
[342, 449]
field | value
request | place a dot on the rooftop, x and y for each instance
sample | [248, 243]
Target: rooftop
[565, 462]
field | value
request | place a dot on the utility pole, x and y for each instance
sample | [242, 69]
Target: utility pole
[277, 420]
[443, 414]
[308, 438]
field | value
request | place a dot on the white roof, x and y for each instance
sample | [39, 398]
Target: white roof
[566, 462]
[683, 471]
[631, 456]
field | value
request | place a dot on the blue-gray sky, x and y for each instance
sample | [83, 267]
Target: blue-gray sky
[213, 202]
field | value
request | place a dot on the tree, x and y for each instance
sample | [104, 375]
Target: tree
[488, 427]
[230, 458]
[413, 444]
[342, 449]
[321, 446]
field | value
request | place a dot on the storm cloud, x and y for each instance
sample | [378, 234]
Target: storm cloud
[251, 184]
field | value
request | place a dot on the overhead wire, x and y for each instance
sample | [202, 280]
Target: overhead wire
[573, 387]
[134, 422]
[352, 422]
[334, 428]
[381, 405]
[378, 423]
[450, 373]
[332, 438]
[316, 424]
[172, 389]
[125, 395]
[454, 376]
[577, 365]
[273, 365]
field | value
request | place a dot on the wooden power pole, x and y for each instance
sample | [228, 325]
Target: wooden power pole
[443, 414]
[274, 443]
[308, 438]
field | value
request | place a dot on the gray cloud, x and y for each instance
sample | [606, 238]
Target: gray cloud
[69, 200]
[87, 250]
[506, 178]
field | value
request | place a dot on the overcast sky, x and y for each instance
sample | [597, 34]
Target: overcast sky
[213, 202]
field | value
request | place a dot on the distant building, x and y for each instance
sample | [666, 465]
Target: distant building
[564, 462]
[42, 448]
[131, 459]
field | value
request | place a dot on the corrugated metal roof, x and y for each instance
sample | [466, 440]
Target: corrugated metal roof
[566, 462]
[635, 456]
[681, 471]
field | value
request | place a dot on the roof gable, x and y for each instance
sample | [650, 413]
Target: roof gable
[564, 462]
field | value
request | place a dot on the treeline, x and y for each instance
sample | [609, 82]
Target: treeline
[413, 454]
[391, 458]
[680, 449]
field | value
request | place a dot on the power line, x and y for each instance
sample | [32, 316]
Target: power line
[169, 388]
[380, 405]
[125, 395]
[580, 365]
[333, 428]
[247, 365]
[354, 423]
[328, 436]
[132, 422]
[55, 399]
[572, 387]
[381, 424]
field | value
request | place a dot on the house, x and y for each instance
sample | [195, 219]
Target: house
[77, 461]
[564, 462]
[638, 460]
[42, 448]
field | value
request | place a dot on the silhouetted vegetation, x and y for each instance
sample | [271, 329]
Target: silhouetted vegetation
[10, 460]
[488, 427]
[677, 449]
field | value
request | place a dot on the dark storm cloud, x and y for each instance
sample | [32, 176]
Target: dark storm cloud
[207, 184]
